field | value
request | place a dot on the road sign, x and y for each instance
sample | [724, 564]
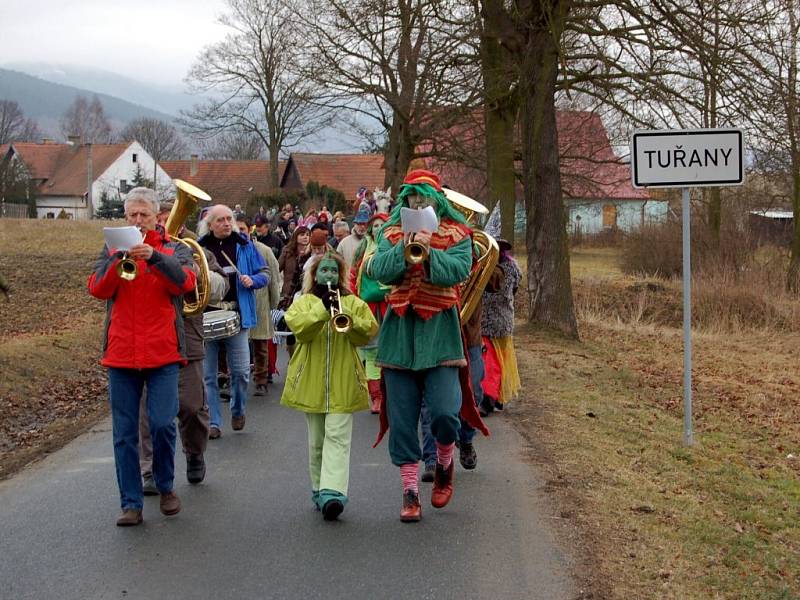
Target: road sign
[687, 158]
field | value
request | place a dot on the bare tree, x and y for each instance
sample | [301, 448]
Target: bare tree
[409, 65]
[252, 80]
[88, 120]
[14, 127]
[161, 139]
[234, 144]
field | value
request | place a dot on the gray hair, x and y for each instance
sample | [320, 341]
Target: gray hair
[216, 208]
[341, 225]
[143, 195]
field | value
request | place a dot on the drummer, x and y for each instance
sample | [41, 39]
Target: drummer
[192, 405]
[246, 272]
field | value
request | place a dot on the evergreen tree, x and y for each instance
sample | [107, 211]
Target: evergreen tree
[110, 207]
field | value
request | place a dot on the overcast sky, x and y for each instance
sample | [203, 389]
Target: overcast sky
[150, 40]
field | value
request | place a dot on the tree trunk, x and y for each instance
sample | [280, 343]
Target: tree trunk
[501, 105]
[397, 157]
[549, 284]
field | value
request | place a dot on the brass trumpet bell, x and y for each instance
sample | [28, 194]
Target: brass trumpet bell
[415, 253]
[127, 269]
[341, 322]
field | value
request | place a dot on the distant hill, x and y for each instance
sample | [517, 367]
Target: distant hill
[45, 101]
[169, 99]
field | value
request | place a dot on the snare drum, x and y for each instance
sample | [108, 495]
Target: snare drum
[219, 324]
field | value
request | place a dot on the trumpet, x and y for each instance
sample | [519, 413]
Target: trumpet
[126, 268]
[415, 252]
[341, 321]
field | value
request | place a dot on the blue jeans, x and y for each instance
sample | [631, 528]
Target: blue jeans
[237, 348]
[428, 443]
[124, 392]
[476, 377]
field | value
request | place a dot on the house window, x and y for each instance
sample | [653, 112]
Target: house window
[135, 157]
[123, 186]
[609, 216]
[51, 215]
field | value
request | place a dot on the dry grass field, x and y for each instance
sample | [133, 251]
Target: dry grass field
[604, 418]
[52, 387]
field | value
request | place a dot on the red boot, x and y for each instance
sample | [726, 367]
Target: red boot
[375, 395]
[442, 485]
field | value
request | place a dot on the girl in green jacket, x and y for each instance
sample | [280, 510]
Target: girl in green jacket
[325, 378]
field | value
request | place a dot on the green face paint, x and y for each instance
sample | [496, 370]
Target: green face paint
[327, 272]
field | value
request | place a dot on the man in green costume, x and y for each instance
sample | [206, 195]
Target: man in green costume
[325, 378]
[420, 347]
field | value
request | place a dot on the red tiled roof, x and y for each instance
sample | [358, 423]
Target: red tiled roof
[63, 167]
[344, 172]
[228, 182]
[589, 168]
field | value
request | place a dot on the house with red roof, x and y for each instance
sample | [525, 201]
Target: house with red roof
[228, 182]
[344, 172]
[595, 183]
[60, 174]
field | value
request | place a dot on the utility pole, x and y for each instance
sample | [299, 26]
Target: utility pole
[89, 180]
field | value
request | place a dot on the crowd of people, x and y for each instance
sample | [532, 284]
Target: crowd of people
[355, 311]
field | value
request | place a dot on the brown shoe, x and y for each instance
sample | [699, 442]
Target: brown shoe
[129, 518]
[170, 504]
[214, 433]
[442, 485]
[412, 510]
[237, 423]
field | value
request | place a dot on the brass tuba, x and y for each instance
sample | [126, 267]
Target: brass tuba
[487, 250]
[186, 198]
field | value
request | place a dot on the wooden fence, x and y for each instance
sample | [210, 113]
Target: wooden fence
[13, 211]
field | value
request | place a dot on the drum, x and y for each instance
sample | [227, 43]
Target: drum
[219, 324]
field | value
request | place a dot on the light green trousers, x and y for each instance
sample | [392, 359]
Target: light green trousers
[329, 437]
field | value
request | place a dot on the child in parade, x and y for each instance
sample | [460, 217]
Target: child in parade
[325, 378]
[420, 347]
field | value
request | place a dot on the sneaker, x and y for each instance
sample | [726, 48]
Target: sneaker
[149, 486]
[442, 485]
[170, 504]
[261, 390]
[467, 456]
[427, 474]
[412, 509]
[129, 518]
[332, 509]
[214, 433]
[237, 423]
[195, 468]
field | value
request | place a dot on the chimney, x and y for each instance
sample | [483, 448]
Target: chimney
[193, 166]
[75, 140]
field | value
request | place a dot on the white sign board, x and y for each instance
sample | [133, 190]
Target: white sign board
[687, 158]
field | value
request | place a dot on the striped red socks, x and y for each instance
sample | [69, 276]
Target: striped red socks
[409, 473]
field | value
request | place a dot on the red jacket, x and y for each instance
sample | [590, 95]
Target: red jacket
[144, 323]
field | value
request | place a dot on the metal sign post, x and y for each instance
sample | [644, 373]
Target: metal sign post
[687, 158]
[688, 438]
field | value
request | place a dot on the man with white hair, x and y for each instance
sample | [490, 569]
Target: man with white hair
[340, 231]
[247, 272]
[144, 347]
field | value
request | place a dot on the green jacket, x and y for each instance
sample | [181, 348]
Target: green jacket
[410, 342]
[325, 374]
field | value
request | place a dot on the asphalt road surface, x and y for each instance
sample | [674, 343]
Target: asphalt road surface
[250, 530]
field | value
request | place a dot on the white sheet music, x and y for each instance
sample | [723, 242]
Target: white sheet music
[122, 238]
[413, 220]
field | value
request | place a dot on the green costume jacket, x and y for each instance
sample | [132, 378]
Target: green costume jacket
[325, 374]
[410, 342]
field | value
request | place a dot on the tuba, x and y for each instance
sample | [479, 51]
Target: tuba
[187, 197]
[487, 250]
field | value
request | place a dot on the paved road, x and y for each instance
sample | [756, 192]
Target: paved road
[250, 531]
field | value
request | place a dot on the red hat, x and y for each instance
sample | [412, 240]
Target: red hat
[319, 237]
[377, 217]
[420, 176]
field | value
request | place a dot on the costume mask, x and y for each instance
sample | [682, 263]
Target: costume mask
[328, 272]
[417, 201]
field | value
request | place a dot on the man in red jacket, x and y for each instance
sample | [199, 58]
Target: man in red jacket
[144, 346]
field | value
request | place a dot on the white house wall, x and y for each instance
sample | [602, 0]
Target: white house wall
[49, 207]
[587, 217]
[125, 168]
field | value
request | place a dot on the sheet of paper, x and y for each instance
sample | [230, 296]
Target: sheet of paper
[122, 238]
[413, 220]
